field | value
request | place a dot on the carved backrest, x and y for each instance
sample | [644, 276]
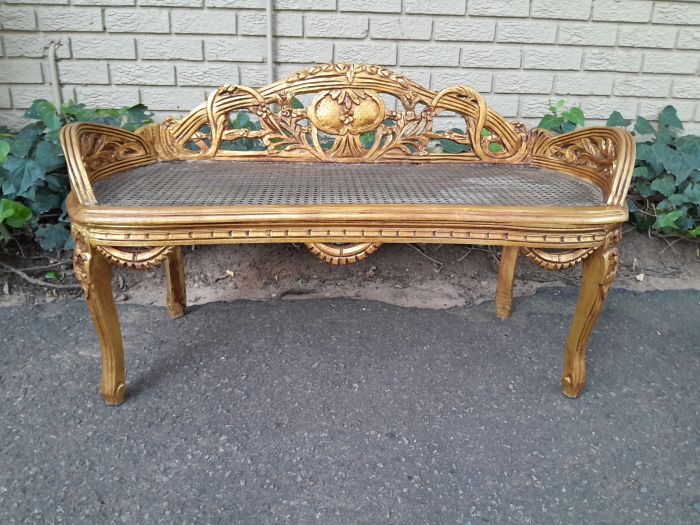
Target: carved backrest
[348, 120]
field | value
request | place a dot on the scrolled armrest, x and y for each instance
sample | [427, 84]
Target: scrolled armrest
[603, 156]
[94, 151]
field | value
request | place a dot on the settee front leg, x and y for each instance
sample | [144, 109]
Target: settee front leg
[94, 272]
[175, 282]
[599, 271]
[506, 277]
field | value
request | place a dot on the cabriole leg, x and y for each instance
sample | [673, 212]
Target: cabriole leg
[506, 276]
[94, 273]
[598, 274]
[175, 281]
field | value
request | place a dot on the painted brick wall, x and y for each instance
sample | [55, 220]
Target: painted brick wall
[634, 56]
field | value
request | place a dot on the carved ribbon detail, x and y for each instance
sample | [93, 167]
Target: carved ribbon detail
[347, 121]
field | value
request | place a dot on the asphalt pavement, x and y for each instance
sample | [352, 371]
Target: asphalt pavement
[347, 411]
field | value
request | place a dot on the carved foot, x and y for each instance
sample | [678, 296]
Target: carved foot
[506, 276]
[113, 394]
[598, 274]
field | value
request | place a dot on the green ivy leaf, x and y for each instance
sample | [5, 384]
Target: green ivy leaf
[646, 153]
[52, 236]
[450, 146]
[616, 120]
[677, 164]
[4, 150]
[550, 122]
[296, 103]
[644, 189]
[13, 213]
[52, 276]
[665, 185]
[692, 193]
[644, 127]
[44, 111]
[668, 220]
[574, 115]
[642, 172]
[695, 232]
[669, 118]
[49, 155]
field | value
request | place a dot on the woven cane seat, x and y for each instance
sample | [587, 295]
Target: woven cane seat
[243, 183]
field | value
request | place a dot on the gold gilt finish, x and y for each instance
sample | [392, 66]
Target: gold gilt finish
[357, 113]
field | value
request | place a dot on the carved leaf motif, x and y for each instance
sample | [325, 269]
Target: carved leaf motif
[598, 153]
[101, 150]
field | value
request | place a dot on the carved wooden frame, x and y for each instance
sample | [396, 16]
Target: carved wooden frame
[349, 102]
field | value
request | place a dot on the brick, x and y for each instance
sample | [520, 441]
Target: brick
[419, 76]
[207, 22]
[428, 55]
[172, 3]
[506, 105]
[552, 58]
[13, 119]
[370, 6]
[24, 96]
[103, 46]
[167, 48]
[144, 73]
[237, 4]
[406, 28]
[523, 83]
[491, 57]
[107, 97]
[62, 19]
[300, 52]
[336, 26]
[33, 46]
[12, 19]
[688, 39]
[105, 2]
[479, 80]
[82, 72]
[448, 120]
[254, 75]
[248, 49]
[465, 30]
[602, 108]
[383, 54]
[686, 88]
[676, 13]
[443, 7]
[509, 8]
[179, 99]
[584, 84]
[538, 107]
[141, 21]
[642, 87]
[43, 2]
[588, 34]
[671, 62]
[527, 32]
[641, 36]
[283, 23]
[207, 74]
[306, 5]
[622, 10]
[5, 101]
[578, 10]
[627, 61]
[651, 109]
[21, 71]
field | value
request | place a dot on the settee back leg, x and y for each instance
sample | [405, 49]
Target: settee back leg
[175, 282]
[506, 276]
[94, 272]
[598, 274]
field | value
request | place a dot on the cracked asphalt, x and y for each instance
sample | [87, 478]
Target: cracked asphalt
[344, 411]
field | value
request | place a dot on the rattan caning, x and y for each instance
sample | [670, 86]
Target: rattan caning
[241, 183]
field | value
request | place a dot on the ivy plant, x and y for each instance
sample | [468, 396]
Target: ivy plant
[665, 190]
[559, 120]
[33, 173]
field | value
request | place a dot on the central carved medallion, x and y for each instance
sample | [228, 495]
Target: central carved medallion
[342, 111]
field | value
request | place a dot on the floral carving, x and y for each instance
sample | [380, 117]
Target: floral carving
[100, 150]
[594, 152]
[347, 120]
